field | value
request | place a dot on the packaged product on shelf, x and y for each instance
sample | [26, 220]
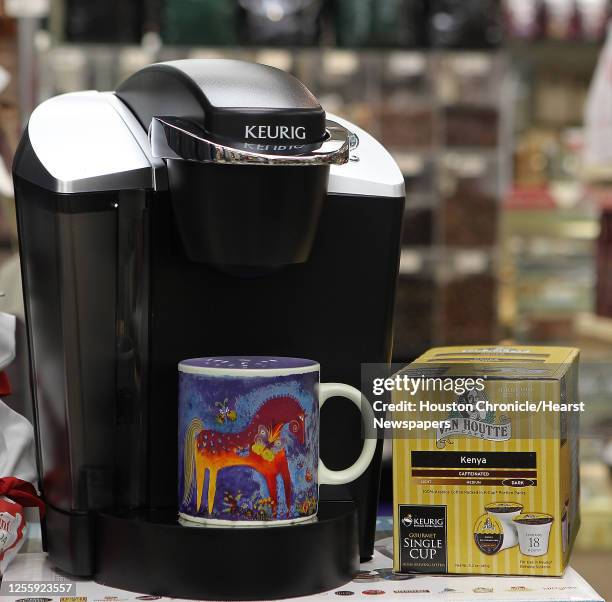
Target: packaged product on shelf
[9, 137]
[470, 125]
[563, 20]
[10, 124]
[281, 22]
[399, 24]
[418, 227]
[465, 23]
[393, 23]
[202, 22]
[493, 487]
[413, 318]
[8, 60]
[405, 127]
[603, 295]
[470, 218]
[471, 79]
[533, 158]
[556, 19]
[405, 114]
[353, 22]
[559, 99]
[468, 308]
[520, 19]
[594, 16]
[113, 21]
[419, 174]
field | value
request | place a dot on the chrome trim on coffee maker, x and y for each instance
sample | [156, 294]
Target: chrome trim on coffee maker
[173, 138]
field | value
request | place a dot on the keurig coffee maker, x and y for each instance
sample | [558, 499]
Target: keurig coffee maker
[206, 207]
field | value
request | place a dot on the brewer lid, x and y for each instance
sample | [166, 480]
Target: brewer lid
[253, 108]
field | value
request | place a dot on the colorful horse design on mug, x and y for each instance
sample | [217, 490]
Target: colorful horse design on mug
[258, 446]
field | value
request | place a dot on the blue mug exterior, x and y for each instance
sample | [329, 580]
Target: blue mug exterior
[248, 440]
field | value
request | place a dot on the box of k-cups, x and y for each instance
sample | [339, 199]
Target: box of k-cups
[485, 460]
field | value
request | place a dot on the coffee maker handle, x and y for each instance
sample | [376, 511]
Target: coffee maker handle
[339, 477]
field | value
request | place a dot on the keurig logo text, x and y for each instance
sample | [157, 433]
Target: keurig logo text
[423, 538]
[275, 132]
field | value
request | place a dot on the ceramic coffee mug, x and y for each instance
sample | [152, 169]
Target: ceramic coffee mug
[249, 440]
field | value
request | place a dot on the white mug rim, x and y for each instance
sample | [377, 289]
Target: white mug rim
[249, 372]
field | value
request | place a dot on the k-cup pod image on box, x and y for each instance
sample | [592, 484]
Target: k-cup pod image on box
[533, 533]
[489, 534]
[505, 512]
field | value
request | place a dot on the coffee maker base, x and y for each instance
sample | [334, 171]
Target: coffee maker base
[153, 554]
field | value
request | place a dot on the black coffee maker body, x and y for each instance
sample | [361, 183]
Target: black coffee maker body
[204, 208]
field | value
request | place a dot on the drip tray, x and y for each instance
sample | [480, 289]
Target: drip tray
[153, 554]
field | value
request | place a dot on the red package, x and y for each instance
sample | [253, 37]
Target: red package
[15, 495]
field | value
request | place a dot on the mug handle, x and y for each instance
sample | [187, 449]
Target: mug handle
[339, 477]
